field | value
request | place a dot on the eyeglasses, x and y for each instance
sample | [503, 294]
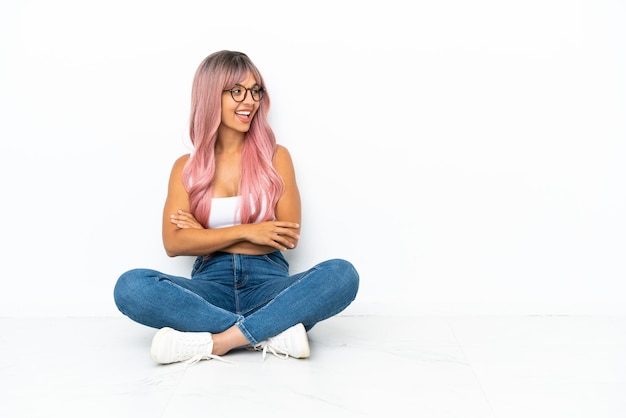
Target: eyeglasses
[239, 93]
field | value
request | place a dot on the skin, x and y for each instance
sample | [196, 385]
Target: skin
[184, 235]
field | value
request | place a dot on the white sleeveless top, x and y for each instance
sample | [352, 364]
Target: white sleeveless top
[225, 212]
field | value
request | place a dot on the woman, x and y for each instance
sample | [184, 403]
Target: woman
[234, 204]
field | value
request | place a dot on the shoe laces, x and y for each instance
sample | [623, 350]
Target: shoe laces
[276, 346]
[203, 356]
[198, 346]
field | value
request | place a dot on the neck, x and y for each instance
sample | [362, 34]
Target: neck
[229, 143]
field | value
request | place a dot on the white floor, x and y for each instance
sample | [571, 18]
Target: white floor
[487, 367]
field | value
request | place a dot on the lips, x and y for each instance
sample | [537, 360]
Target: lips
[243, 115]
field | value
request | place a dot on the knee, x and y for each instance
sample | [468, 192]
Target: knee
[127, 285]
[346, 275]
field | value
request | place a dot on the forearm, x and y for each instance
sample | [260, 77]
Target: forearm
[194, 242]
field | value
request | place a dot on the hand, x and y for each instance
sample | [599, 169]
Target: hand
[278, 234]
[185, 220]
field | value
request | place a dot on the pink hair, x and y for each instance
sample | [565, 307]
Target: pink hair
[259, 179]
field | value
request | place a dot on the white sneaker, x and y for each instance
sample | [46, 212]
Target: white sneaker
[171, 346]
[292, 342]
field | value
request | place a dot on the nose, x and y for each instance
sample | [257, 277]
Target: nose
[248, 98]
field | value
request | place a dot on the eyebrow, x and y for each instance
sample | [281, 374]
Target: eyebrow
[241, 85]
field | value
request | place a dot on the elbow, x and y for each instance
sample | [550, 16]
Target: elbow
[174, 244]
[171, 249]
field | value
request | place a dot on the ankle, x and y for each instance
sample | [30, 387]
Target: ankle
[219, 348]
[228, 340]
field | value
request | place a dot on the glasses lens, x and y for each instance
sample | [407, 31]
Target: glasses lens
[238, 93]
[257, 93]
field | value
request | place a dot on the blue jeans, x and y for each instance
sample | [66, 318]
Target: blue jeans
[256, 293]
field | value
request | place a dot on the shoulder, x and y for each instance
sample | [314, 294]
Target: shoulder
[182, 159]
[282, 154]
[283, 162]
[176, 173]
[180, 162]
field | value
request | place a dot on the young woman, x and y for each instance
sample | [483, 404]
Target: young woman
[234, 204]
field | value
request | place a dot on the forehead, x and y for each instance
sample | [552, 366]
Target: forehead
[248, 81]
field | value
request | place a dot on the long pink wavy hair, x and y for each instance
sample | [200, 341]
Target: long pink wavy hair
[259, 179]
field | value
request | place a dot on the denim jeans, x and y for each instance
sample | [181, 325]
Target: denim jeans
[256, 293]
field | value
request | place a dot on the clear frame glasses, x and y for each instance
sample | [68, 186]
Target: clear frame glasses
[239, 92]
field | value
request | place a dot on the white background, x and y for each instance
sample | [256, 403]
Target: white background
[467, 156]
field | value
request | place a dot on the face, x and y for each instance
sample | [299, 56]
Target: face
[239, 115]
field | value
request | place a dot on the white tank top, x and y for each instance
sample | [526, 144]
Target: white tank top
[225, 212]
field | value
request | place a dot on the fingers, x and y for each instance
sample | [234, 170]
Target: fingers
[285, 234]
[283, 242]
[180, 223]
[282, 234]
[185, 220]
[287, 231]
[285, 238]
[283, 224]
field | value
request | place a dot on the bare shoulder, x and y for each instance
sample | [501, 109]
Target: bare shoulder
[176, 173]
[180, 162]
[283, 163]
[282, 155]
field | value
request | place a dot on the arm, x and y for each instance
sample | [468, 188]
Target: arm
[183, 235]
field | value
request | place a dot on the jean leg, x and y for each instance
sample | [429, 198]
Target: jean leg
[317, 294]
[159, 300]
